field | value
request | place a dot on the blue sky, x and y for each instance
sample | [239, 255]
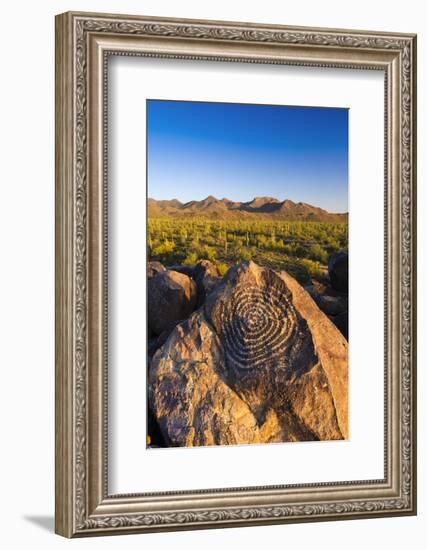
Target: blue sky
[241, 151]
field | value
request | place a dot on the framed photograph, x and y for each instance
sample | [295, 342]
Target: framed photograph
[235, 274]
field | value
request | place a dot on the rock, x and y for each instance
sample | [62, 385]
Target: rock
[152, 346]
[331, 305]
[315, 288]
[153, 268]
[185, 269]
[338, 271]
[329, 300]
[341, 322]
[207, 277]
[171, 297]
[192, 402]
[156, 343]
[332, 351]
[259, 363]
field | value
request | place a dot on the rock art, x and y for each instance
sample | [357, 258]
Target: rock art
[258, 363]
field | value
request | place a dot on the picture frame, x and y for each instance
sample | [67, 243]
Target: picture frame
[84, 42]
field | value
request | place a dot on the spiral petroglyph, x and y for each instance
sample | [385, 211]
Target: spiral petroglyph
[251, 366]
[265, 342]
[257, 325]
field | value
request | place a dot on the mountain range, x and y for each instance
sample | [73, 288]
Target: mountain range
[258, 208]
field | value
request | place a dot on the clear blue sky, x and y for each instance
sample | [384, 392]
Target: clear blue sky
[243, 151]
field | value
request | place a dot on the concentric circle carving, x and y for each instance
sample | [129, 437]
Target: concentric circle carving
[257, 325]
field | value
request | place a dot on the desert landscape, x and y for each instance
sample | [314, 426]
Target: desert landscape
[247, 322]
[247, 273]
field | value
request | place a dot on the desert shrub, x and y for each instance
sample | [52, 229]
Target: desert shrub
[280, 244]
[316, 252]
[262, 241]
[313, 268]
[243, 254]
[191, 258]
[296, 249]
[222, 268]
[275, 244]
[206, 253]
[163, 249]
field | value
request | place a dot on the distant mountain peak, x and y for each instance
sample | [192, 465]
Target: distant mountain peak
[209, 200]
[261, 201]
[261, 207]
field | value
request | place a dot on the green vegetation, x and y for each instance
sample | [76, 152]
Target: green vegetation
[301, 248]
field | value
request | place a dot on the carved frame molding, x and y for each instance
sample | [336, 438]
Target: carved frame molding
[83, 43]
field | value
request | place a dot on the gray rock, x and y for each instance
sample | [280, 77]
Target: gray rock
[331, 305]
[341, 322]
[171, 297]
[207, 278]
[153, 268]
[338, 271]
[185, 269]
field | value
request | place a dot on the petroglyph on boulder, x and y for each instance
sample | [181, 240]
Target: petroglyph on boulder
[258, 363]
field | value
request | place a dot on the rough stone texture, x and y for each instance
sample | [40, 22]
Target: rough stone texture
[332, 302]
[192, 403]
[341, 322]
[338, 271]
[207, 278]
[331, 348]
[259, 363]
[153, 268]
[171, 297]
[331, 305]
[185, 269]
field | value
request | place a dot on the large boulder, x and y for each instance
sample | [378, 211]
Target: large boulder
[259, 363]
[207, 277]
[332, 350]
[171, 297]
[341, 322]
[338, 271]
[331, 305]
[186, 269]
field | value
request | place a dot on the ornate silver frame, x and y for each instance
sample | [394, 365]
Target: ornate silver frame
[83, 42]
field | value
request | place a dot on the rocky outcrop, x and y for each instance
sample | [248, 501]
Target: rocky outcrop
[153, 268]
[206, 277]
[332, 305]
[341, 322]
[258, 363]
[338, 271]
[171, 297]
[185, 269]
[332, 351]
[330, 300]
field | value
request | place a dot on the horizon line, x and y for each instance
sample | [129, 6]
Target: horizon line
[249, 201]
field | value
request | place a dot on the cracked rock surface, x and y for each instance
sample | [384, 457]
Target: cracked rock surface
[259, 363]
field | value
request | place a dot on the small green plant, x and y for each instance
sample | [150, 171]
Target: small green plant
[207, 253]
[243, 254]
[163, 249]
[316, 252]
[222, 268]
[191, 259]
[313, 268]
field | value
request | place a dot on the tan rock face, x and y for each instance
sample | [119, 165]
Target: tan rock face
[206, 277]
[331, 348]
[259, 363]
[193, 404]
